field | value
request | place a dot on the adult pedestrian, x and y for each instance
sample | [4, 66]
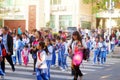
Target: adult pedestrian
[77, 46]
[8, 43]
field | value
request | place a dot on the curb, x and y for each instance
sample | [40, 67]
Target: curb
[113, 56]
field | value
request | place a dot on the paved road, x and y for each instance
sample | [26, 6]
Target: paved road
[89, 70]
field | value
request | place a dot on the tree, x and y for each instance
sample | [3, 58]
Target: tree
[100, 5]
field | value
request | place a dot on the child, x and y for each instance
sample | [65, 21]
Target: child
[54, 53]
[41, 65]
[49, 55]
[64, 52]
[88, 48]
[59, 46]
[25, 55]
[19, 47]
[96, 50]
[103, 50]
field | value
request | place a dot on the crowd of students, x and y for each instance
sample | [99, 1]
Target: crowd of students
[43, 46]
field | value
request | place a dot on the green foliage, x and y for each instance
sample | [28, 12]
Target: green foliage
[98, 5]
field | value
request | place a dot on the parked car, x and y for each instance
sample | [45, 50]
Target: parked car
[70, 31]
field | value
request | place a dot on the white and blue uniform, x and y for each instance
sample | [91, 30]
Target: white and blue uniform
[49, 58]
[64, 54]
[103, 51]
[41, 66]
[96, 51]
[59, 48]
[19, 46]
[54, 55]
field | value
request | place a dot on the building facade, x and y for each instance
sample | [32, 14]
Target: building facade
[68, 13]
[28, 14]
[56, 14]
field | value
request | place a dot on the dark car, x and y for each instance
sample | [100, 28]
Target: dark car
[70, 31]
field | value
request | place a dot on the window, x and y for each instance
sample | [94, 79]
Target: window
[65, 21]
[55, 2]
[52, 21]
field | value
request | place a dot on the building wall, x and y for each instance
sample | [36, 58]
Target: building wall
[13, 24]
[32, 17]
[39, 17]
[75, 8]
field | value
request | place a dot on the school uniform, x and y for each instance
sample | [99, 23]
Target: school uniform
[49, 58]
[41, 66]
[64, 54]
[103, 51]
[54, 55]
[59, 54]
[19, 47]
[96, 52]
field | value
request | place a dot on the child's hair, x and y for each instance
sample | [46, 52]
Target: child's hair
[42, 45]
[53, 40]
[88, 37]
[48, 39]
[18, 35]
[58, 38]
[26, 46]
[63, 39]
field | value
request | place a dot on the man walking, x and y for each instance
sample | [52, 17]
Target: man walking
[8, 44]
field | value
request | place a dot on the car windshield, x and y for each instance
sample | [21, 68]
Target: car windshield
[72, 28]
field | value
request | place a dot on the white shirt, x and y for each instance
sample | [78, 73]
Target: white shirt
[26, 40]
[66, 48]
[49, 56]
[41, 60]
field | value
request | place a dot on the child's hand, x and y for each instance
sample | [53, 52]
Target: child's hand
[39, 65]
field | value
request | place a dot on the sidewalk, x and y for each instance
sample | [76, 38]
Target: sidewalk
[116, 53]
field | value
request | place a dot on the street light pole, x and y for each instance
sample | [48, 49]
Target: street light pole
[110, 7]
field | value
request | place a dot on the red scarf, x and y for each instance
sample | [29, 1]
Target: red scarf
[39, 52]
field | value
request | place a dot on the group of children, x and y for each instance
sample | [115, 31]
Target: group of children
[99, 48]
[46, 56]
[47, 50]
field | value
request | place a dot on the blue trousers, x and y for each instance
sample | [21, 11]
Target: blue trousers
[48, 65]
[41, 74]
[112, 47]
[14, 59]
[103, 57]
[59, 59]
[64, 61]
[19, 56]
[53, 58]
[96, 56]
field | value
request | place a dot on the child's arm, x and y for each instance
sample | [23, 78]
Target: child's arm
[42, 58]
